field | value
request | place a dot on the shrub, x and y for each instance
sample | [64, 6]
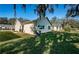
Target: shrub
[67, 28]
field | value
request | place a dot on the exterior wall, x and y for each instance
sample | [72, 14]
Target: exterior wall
[6, 27]
[43, 22]
[28, 28]
[18, 25]
[57, 28]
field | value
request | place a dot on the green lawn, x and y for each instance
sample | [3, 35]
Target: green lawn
[52, 42]
[7, 35]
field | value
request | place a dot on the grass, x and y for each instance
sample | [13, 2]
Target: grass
[7, 35]
[51, 42]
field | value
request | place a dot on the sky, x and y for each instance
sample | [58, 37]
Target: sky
[6, 10]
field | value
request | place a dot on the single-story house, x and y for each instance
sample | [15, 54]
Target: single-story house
[28, 28]
[40, 25]
[57, 27]
[18, 25]
[6, 27]
[43, 25]
[57, 24]
[24, 26]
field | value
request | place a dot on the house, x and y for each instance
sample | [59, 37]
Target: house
[6, 27]
[18, 25]
[28, 28]
[24, 26]
[57, 25]
[43, 25]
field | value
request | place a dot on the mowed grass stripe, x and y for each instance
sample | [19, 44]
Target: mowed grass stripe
[7, 35]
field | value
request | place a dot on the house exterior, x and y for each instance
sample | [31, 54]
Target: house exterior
[57, 27]
[28, 28]
[6, 27]
[57, 24]
[24, 26]
[43, 25]
[18, 26]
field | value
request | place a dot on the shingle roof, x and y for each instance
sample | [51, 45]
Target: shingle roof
[57, 22]
[25, 21]
[35, 21]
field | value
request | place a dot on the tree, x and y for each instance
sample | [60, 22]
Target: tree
[14, 8]
[42, 8]
[73, 10]
[23, 7]
[11, 21]
[3, 20]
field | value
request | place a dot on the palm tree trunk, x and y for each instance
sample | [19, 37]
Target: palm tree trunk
[24, 7]
[14, 7]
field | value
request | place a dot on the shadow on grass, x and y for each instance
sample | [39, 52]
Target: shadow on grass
[7, 35]
[53, 43]
[64, 44]
[64, 48]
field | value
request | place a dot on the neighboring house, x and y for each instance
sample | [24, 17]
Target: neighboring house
[24, 26]
[57, 25]
[6, 27]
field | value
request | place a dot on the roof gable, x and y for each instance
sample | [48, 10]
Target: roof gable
[38, 20]
[22, 22]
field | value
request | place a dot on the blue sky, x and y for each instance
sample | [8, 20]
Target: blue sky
[6, 10]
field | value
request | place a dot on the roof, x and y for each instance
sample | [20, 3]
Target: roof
[5, 25]
[25, 21]
[56, 22]
[48, 21]
[35, 21]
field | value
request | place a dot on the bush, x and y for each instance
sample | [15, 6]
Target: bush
[67, 28]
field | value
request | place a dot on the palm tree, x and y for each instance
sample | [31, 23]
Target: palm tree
[14, 8]
[23, 7]
[42, 8]
[73, 10]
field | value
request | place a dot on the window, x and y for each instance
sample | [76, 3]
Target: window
[48, 27]
[38, 25]
[41, 27]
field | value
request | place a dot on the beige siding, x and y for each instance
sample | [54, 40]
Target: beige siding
[57, 28]
[28, 28]
[17, 25]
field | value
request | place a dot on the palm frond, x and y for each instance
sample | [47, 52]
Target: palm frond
[73, 11]
[42, 8]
